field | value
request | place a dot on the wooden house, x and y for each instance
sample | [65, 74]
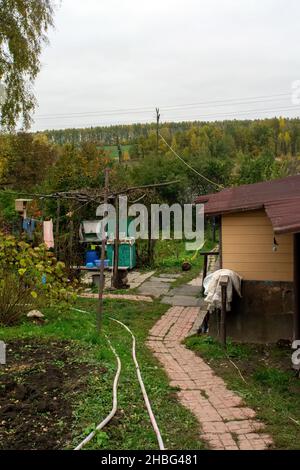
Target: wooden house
[260, 240]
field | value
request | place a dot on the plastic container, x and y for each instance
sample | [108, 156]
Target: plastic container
[90, 257]
[97, 263]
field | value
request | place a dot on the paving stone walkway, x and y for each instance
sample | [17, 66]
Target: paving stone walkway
[156, 286]
[137, 298]
[135, 278]
[226, 423]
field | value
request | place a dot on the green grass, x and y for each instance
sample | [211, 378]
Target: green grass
[170, 254]
[131, 428]
[272, 388]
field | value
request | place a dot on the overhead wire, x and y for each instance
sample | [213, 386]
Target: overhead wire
[179, 118]
[219, 186]
[217, 102]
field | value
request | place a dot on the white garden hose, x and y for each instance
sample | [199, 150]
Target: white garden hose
[146, 399]
[115, 390]
[115, 396]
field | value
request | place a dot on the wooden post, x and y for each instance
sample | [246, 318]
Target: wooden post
[204, 271]
[103, 245]
[115, 278]
[223, 283]
[206, 254]
[296, 329]
[71, 233]
[57, 229]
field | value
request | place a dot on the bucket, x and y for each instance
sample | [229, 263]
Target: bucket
[90, 256]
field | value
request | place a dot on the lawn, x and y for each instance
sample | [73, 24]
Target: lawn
[271, 387]
[83, 368]
[170, 254]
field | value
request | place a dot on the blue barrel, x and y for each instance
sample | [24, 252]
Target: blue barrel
[90, 256]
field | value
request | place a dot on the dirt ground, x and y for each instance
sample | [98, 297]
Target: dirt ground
[39, 384]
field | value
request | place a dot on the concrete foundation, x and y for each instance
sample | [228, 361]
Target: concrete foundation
[263, 315]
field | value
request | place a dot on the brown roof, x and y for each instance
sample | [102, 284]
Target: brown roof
[280, 198]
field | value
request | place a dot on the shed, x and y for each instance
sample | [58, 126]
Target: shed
[260, 240]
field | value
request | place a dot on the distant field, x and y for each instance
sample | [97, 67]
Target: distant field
[113, 150]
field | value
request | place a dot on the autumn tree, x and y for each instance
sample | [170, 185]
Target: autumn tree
[23, 31]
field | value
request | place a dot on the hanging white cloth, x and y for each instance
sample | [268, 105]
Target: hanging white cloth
[213, 292]
[48, 233]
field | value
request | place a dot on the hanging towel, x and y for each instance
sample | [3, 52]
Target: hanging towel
[29, 227]
[48, 233]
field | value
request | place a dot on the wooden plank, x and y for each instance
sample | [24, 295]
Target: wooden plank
[260, 266]
[263, 275]
[254, 239]
[255, 249]
[254, 258]
[243, 230]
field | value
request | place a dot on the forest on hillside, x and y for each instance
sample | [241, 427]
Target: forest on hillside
[227, 153]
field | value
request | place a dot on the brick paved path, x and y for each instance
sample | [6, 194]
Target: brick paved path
[225, 422]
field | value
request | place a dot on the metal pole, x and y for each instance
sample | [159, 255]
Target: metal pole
[103, 244]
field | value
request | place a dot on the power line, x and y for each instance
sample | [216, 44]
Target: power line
[242, 112]
[176, 118]
[189, 166]
[218, 102]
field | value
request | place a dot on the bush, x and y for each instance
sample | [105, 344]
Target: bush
[15, 299]
[29, 277]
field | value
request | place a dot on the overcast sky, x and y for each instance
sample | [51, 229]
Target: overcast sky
[112, 55]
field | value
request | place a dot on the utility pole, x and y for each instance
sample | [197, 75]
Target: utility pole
[119, 150]
[157, 128]
[103, 245]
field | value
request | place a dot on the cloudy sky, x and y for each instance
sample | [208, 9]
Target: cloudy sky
[113, 61]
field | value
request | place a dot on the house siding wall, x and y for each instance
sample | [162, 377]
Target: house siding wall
[247, 241]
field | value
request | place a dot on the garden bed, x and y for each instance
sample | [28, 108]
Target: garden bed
[37, 388]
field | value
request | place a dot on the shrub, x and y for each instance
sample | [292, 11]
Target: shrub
[29, 277]
[15, 299]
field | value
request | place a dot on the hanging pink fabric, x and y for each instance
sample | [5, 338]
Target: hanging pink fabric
[48, 233]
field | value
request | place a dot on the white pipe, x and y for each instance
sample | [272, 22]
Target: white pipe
[115, 396]
[146, 399]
